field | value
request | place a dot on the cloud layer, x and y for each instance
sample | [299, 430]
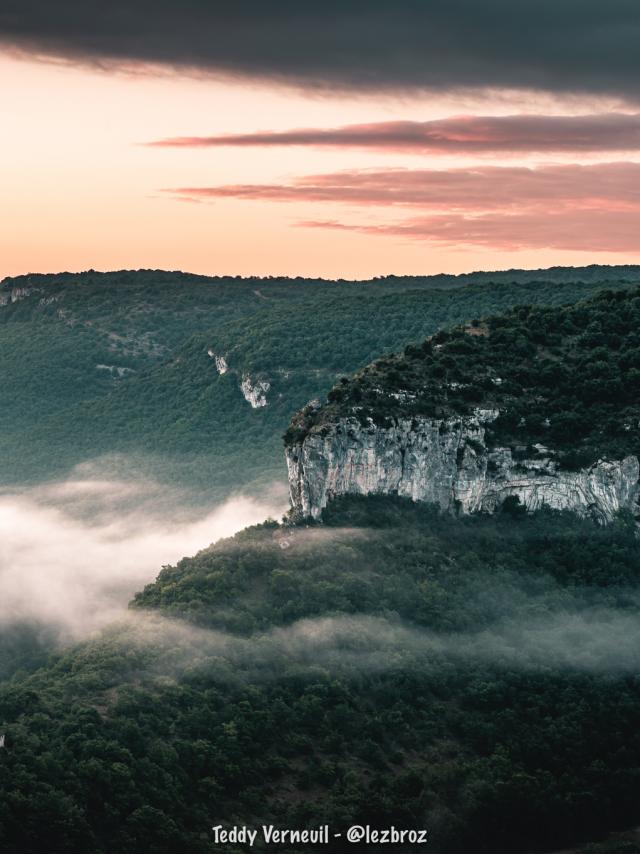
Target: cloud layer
[586, 231]
[592, 207]
[457, 135]
[582, 46]
[481, 187]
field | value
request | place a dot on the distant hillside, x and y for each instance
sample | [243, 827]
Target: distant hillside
[118, 363]
[590, 273]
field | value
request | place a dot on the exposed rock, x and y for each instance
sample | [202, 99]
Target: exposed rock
[16, 293]
[116, 370]
[447, 462]
[221, 363]
[255, 393]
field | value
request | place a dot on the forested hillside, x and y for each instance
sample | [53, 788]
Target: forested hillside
[564, 379]
[475, 677]
[117, 364]
[387, 665]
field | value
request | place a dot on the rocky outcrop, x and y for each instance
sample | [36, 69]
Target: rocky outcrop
[48, 300]
[15, 293]
[116, 371]
[221, 363]
[255, 392]
[447, 462]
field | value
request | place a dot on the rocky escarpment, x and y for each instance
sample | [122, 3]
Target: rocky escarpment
[447, 462]
[220, 362]
[254, 391]
[540, 404]
[14, 293]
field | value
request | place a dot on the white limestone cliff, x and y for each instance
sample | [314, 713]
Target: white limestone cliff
[221, 363]
[15, 293]
[447, 462]
[254, 393]
[116, 371]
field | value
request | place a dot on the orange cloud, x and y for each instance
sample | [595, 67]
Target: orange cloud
[592, 207]
[480, 188]
[578, 230]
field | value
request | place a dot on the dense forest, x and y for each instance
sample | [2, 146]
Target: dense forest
[115, 366]
[477, 677]
[567, 379]
[387, 665]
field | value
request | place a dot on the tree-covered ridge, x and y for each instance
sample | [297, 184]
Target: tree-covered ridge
[125, 278]
[567, 378]
[387, 556]
[117, 363]
[476, 677]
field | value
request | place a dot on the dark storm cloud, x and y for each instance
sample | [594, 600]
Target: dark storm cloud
[457, 135]
[585, 46]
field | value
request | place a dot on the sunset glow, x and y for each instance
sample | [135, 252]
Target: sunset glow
[100, 158]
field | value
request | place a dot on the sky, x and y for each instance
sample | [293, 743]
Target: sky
[334, 139]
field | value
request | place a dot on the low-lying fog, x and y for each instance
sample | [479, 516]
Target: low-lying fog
[597, 640]
[73, 553]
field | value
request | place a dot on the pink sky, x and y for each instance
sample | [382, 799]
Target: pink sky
[291, 183]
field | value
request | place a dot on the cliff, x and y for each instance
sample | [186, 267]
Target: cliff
[446, 462]
[438, 424]
[13, 293]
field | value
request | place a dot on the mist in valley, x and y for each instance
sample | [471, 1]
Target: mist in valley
[73, 552]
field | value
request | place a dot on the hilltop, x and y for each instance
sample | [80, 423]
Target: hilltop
[539, 403]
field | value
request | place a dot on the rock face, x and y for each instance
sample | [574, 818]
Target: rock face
[447, 462]
[116, 371]
[16, 293]
[221, 363]
[254, 393]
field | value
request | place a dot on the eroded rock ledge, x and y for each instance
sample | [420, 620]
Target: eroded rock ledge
[447, 462]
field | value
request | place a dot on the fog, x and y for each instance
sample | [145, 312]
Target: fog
[597, 640]
[72, 553]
